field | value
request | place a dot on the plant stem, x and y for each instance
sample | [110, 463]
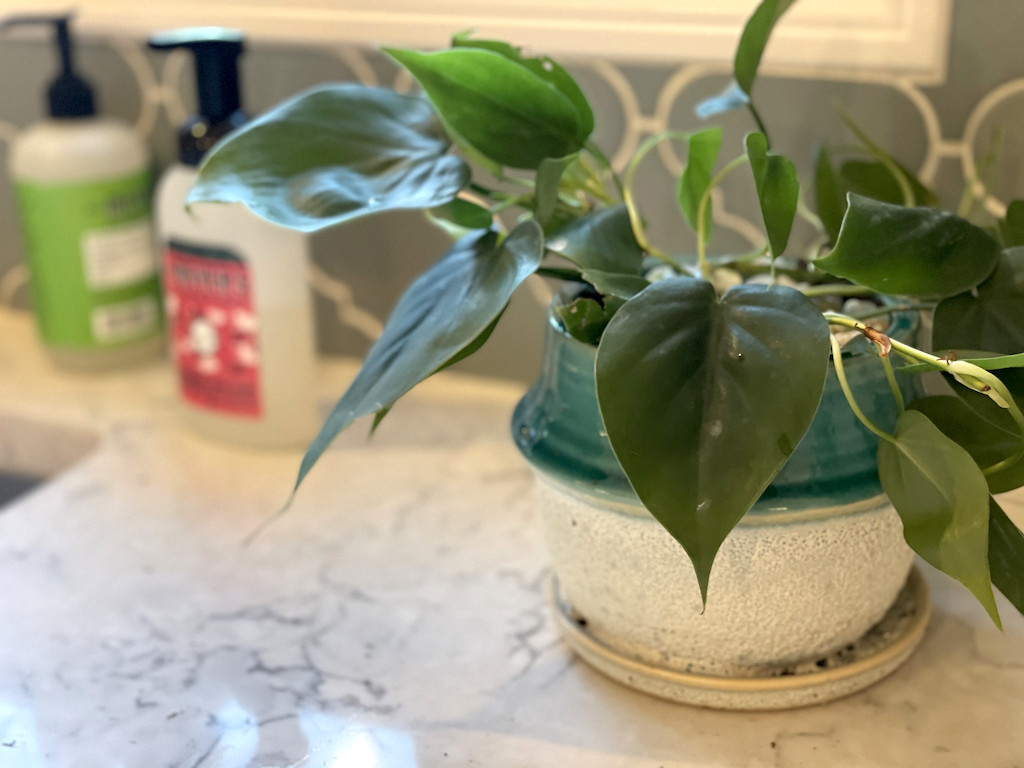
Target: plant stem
[757, 119]
[890, 376]
[598, 155]
[837, 360]
[837, 289]
[627, 190]
[702, 206]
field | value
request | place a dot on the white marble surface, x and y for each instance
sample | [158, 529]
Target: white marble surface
[394, 618]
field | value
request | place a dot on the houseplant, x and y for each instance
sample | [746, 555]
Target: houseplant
[703, 396]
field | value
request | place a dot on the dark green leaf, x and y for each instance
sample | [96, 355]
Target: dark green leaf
[549, 175]
[601, 241]
[702, 154]
[942, 498]
[731, 98]
[332, 154]
[1011, 228]
[986, 442]
[1006, 555]
[586, 318]
[692, 388]
[828, 195]
[615, 284]
[990, 317]
[921, 252]
[755, 37]
[778, 191]
[543, 67]
[443, 312]
[500, 107]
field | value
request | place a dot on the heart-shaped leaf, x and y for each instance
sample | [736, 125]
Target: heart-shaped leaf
[500, 107]
[943, 500]
[702, 154]
[332, 154]
[988, 443]
[704, 400]
[778, 191]
[921, 252]
[1006, 555]
[586, 318]
[442, 313]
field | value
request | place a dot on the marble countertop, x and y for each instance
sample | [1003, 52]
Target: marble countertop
[395, 617]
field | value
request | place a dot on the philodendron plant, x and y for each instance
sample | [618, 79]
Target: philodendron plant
[704, 393]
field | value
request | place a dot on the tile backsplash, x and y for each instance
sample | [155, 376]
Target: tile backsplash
[361, 268]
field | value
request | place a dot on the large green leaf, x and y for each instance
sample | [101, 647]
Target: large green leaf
[1006, 555]
[505, 110]
[986, 442]
[446, 310]
[603, 246]
[942, 498]
[755, 37]
[702, 154]
[332, 154]
[704, 400]
[778, 190]
[922, 252]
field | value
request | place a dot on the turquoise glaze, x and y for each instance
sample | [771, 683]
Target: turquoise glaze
[558, 428]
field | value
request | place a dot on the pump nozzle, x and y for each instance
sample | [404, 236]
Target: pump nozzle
[68, 95]
[216, 51]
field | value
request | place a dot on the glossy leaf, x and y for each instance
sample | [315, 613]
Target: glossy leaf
[942, 499]
[464, 214]
[731, 98]
[543, 67]
[1011, 228]
[988, 443]
[828, 195]
[1006, 555]
[500, 107]
[691, 388]
[920, 252]
[333, 154]
[755, 37]
[778, 191]
[702, 154]
[601, 241]
[614, 283]
[441, 314]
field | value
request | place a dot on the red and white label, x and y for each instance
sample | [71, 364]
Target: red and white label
[213, 328]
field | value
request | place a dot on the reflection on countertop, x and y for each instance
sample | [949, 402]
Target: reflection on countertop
[395, 617]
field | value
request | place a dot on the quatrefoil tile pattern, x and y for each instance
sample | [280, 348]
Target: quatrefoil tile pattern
[961, 137]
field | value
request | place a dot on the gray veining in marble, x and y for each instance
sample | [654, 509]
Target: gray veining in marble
[394, 618]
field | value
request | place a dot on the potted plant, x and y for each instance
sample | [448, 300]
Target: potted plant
[669, 399]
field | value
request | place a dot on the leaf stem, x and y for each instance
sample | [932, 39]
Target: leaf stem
[705, 199]
[837, 360]
[627, 190]
[890, 376]
[757, 119]
[837, 289]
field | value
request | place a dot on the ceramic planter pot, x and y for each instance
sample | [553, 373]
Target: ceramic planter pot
[809, 598]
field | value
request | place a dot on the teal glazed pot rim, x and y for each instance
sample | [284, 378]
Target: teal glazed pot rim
[558, 428]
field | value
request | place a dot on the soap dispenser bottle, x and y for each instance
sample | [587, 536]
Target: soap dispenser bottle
[83, 187]
[237, 295]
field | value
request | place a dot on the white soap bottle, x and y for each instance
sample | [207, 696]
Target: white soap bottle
[237, 294]
[83, 185]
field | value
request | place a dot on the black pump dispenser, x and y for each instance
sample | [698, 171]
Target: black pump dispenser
[68, 95]
[216, 51]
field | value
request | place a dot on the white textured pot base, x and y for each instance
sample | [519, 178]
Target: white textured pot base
[814, 681]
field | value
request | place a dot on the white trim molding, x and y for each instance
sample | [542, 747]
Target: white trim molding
[829, 37]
